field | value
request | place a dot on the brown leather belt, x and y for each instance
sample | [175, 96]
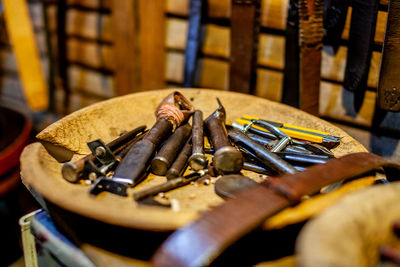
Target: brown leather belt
[389, 80]
[244, 32]
[202, 241]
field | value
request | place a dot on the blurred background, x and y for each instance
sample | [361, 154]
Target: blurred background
[92, 50]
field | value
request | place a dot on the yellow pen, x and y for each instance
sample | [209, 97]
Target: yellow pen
[325, 136]
[289, 132]
[285, 125]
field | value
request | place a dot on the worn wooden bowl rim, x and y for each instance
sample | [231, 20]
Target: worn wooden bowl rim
[42, 173]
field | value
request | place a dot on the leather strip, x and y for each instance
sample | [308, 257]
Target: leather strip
[311, 34]
[290, 92]
[361, 41]
[244, 33]
[389, 78]
[194, 39]
[335, 14]
[202, 241]
[62, 53]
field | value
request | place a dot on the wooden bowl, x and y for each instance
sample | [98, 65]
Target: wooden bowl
[105, 120]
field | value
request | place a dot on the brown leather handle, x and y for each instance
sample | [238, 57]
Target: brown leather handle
[202, 241]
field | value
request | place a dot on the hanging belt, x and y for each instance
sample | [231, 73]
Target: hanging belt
[244, 39]
[389, 78]
[361, 41]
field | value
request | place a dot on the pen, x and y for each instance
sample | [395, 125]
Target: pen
[292, 130]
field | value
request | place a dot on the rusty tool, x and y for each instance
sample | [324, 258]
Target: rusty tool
[181, 162]
[263, 155]
[198, 160]
[226, 158]
[169, 185]
[171, 112]
[170, 149]
[73, 171]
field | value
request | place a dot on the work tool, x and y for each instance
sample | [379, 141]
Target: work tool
[263, 155]
[170, 150]
[72, 171]
[226, 158]
[171, 112]
[260, 135]
[198, 160]
[181, 162]
[169, 185]
[305, 159]
[301, 133]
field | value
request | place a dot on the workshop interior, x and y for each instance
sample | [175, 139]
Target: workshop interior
[199, 133]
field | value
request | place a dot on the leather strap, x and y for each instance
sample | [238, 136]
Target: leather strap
[194, 40]
[244, 38]
[361, 41]
[389, 78]
[310, 34]
[62, 54]
[290, 92]
[335, 14]
[202, 241]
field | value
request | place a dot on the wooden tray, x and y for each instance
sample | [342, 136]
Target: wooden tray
[107, 119]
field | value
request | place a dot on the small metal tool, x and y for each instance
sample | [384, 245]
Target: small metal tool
[73, 171]
[181, 162]
[305, 159]
[198, 159]
[101, 152]
[250, 166]
[266, 157]
[170, 149]
[284, 139]
[266, 137]
[226, 159]
[169, 185]
[104, 184]
[268, 143]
